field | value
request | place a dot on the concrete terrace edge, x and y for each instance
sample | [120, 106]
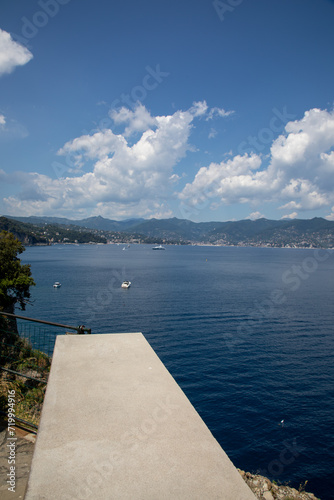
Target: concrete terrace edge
[115, 424]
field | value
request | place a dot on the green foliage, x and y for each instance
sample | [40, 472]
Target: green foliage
[17, 354]
[29, 397]
[26, 233]
[15, 277]
[46, 234]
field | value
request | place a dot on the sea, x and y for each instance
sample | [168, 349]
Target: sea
[247, 333]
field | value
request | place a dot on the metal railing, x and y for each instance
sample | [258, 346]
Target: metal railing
[26, 349]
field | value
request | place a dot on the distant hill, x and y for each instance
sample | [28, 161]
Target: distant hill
[26, 233]
[107, 224]
[316, 232]
[45, 234]
[99, 223]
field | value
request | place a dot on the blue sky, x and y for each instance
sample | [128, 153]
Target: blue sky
[206, 110]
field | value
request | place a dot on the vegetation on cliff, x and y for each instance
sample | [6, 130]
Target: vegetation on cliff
[15, 277]
[47, 234]
[23, 369]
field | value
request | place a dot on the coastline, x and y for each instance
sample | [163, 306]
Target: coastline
[264, 489]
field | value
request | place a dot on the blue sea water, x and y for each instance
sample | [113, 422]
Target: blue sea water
[248, 333]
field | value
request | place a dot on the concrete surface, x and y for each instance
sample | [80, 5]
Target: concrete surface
[24, 446]
[115, 425]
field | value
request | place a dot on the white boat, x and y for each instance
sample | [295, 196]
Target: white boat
[126, 284]
[159, 247]
[56, 284]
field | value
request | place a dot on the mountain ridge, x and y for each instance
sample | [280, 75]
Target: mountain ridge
[260, 232]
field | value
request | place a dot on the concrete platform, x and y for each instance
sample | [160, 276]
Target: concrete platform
[24, 447]
[115, 425]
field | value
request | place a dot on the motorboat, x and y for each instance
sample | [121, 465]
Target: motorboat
[126, 284]
[56, 284]
[159, 247]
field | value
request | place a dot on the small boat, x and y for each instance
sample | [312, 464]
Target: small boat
[56, 284]
[159, 247]
[126, 284]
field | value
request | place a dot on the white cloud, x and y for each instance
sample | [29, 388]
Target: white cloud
[302, 152]
[300, 172]
[133, 172]
[2, 120]
[139, 120]
[175, 178]
[98, 146]
[293, 215]
[255, 216]
[125, 178]
[231, 180]
[306, 192]
[12, 54]
[219, 112]
[199, 108]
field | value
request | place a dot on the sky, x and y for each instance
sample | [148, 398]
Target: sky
[202, 110]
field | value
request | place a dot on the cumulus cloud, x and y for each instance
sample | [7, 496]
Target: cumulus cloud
[232, 181]
[255, 216]
[2, 120]
[293, 215]
[303, 149]
[308, 195]
[12, 54]
[300, 171]
[138, 120]
[131, 169]
[126, 177]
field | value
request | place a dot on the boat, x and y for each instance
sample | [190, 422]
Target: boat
[126, 284]
[56, 284]
[159, 247]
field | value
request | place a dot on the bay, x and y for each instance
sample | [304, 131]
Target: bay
[246, 332]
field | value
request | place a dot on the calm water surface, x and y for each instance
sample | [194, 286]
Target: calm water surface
[248, 333]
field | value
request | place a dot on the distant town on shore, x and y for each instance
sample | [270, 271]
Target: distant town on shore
[295, 233]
